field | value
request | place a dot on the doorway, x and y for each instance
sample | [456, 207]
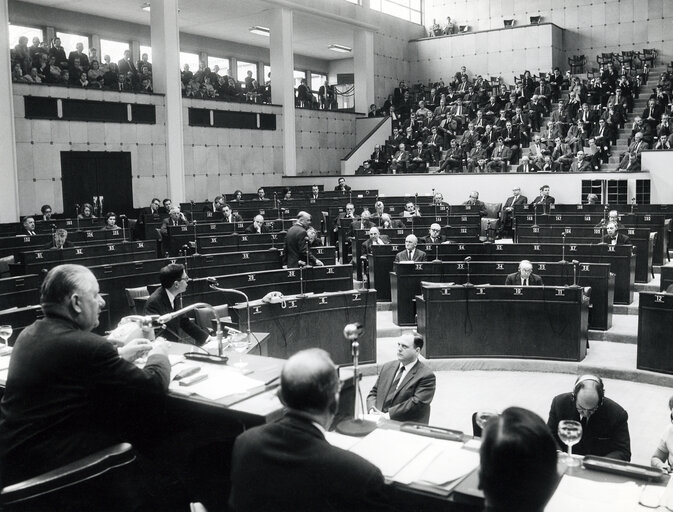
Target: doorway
[101, 178]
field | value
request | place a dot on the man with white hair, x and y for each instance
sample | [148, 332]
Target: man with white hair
[410, 253]
[524, 277]
[434, 235]
[257, 225]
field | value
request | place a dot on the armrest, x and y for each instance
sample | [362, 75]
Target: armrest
[71, 474]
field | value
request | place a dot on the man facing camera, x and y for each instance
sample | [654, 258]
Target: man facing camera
[404, 388]
[410, 253]
[517, 470]
[613, 237]
[434, 235]
[301, 471]
[174, 281]
[524, 277]
[257, 225]
[605, 429]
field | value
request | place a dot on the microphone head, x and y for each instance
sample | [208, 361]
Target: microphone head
[468, 259]
[575, 262]
[564, 234]
[76, 205]
[212, 280]
[352, 331]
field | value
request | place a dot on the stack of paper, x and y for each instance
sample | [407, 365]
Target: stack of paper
[219, 384]
[583, 495]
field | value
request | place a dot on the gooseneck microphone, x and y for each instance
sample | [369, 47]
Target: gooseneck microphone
[214, 285]
[357, 426]
[164, 319]
[467, 261]
[563, 249]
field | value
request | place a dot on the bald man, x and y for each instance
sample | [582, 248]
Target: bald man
[524, 277]
[295, 253]
[257, 225]
[410, 253]
[288, 465]
[434, 235]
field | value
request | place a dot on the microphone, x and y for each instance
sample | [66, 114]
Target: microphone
[563, 249]
[467, 261]
[165, 318]
[574, 263]
[214, 285]
[357, 426]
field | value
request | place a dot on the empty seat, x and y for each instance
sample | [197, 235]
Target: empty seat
[136, 298]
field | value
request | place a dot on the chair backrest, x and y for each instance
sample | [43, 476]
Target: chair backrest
[135, 293]
[204, 316]
[33, 493]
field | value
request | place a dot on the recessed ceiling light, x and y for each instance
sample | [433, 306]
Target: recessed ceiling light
[260, 31]
[339, 48]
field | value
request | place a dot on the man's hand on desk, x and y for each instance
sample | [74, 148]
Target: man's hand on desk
[134, 349]
[159, 347]
[375, 412]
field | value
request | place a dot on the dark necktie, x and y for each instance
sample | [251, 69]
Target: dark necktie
[409, 255]
[393, 388]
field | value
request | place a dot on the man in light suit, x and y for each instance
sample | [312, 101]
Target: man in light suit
[515, 199]
[524, 277]
[404, 388]
[631, 159]
[410, 253]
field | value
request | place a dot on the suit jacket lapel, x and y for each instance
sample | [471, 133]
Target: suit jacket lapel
[407, 378]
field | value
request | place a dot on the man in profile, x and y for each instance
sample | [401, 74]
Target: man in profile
[524, 277]
[288, 465]
[163, 300]
[410, 253]
[605, 429]
[69, 393]
[518, 462]
[295, 253]
[405, 387]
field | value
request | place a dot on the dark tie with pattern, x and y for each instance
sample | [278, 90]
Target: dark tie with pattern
[393, 388]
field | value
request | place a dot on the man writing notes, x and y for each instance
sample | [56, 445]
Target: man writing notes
[524, 277]
[405, 388]
[69, 393]
[288, 465]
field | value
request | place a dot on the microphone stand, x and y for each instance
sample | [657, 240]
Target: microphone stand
[196, 245]
[123, 218]
[633, 204]
[467, 283]
[357, 426]
[77, 215]
[604, 223]
[436, 260]
[215, 286]
[563, 250]
[448, 214]
[535, 213]
[164, 319]
[574, 285]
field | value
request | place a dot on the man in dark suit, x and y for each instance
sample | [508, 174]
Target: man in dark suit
[342, 187]
[404, 388]
[524, 277]
[288, 465]
[175, 218]
[294, 253]
[434, 235]
[544, 198]
[364, 222]
[605, 429]
[518, 462]
[174, 281]
[516, 199]
[257, 225]
[70, 393]
[375, 238]
[28, 227]
[60, 240]
[526, 165]
[410, 253]
[613, 237]
[229, 216]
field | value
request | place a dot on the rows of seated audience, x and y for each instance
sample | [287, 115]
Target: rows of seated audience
[46, 63]
[552, 123]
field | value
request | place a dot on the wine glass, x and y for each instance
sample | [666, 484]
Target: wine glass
[239, 342]
[570, 432]
[484, 416]
[6, 333]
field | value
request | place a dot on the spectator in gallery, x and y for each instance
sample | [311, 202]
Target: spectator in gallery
[341, 186]
[17, 73]
[144, 62]
[110, 221]
[42, 66]
[80, 56]
[22, 55]
[372, 110]
[95, 74]
[59, 53]
[34, 78]
[86, 212]
[126, 64]
[83, 81]
[326, 96]
[449, 27]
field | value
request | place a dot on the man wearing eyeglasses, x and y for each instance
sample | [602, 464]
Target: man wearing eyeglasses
[164, 300]
[605, 429]
[434, 235]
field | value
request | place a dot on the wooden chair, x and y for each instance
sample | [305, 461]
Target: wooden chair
[648, 55]
[136, 298]
[577, 63]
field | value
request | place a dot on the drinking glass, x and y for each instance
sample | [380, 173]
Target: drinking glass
[6, 333]
[484, 416]
[240, 343]
[570, 432]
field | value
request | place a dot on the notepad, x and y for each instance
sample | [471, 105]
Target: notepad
[582, 495]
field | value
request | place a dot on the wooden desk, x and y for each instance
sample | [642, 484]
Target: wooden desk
[504, 321]
[655, 335]
[314, 321]
[405, 282]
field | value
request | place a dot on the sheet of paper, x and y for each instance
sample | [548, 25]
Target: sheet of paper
[582, 495]
[3, 375]
[414, 471]
[4, 362]
[390, 450]
[219, 384]
[340, 440]
[450, 464]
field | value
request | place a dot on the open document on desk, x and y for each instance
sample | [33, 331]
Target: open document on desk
[584, 495]
[220, 382]
[433, 465]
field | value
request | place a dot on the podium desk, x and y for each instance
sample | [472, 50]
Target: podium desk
[406, 279]
[314, 320]
[655, 336]
[535, 322]
[620, 258]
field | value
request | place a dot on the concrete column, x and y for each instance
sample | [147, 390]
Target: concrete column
[282, 83]
[233, 67]
[166, 80]
[9, 180]
[50, 34]
[363, 68]
[135, 51]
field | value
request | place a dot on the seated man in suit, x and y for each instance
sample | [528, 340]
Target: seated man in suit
[364, 222]
[517, 462]
[476, 203]
[613, 237]
[404, 388]
[613, 216]
[526, 165]
[434, 235]
[175, 218]
[375, 238]
[544, 198]
[516, 199]
[60, 240]
[580, 164]
[410, 253]
[302, 471]
[605, 429]
[28, 227]
[229, 216]
[174, 281]
[342, 187]
[524, 277]
[257, 225]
